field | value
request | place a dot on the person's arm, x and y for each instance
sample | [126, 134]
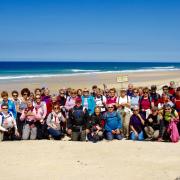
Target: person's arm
[62, 118]
[1, 127]
[48, 121]
[23, 115]
[132, 128]
[14, 110]
[69, 120]
[119, 120]
[44, 110]
[142, 120]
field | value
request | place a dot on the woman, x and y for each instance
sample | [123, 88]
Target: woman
[70, 101]
[135, 98]
[95, 125]
[145, 102]
[136, 125]
[168, 115]
[11, 105]
[124, 102]
[112, 98]
[54, 120]
[88, 101]
[8, 127]
[30, 116]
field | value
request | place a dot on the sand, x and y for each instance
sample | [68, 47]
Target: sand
[62, 160]
[82, 81]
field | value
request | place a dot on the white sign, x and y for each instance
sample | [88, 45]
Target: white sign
[122, 78]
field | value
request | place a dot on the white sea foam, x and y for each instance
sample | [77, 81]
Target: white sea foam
[80, 72]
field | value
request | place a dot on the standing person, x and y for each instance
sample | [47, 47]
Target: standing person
[8, 127]
[135, 98]
[172, 88]
[165, 89]
[70, 100]
[112, 98]
[136, 125]
[77, 122]
[54, 120]
[95, 125]
[130, 90]
[61, 98]
[100, 100]
[94, 90]
[11, 105]
[152, 124]
[40, 107]
[154, 96]
[30, 116]
[113, 124]
[16, 100]
[145, 102]
[88, 101]
[79, 92]
[165, 99]
[37, 91]
[124, 102]
[47, 99]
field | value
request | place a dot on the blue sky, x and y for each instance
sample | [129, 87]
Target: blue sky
[118, 30]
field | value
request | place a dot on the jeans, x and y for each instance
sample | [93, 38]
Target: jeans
[29, 132]
[140, 136]
[56, 134]
[110, 136]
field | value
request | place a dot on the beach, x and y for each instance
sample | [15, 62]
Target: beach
[143, 79]
[62, 160]
[47, 160]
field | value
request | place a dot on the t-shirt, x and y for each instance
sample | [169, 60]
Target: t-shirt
[134, 101]
[136, 123]
[145, 104]
[125, 99]
[155, 123]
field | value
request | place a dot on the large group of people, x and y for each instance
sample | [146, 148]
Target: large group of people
[135, 113]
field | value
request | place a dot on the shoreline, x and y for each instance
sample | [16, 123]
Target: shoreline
[88, 80]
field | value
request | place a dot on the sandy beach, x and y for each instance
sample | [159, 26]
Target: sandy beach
[62, 160]
[81, 81]
[47, 160]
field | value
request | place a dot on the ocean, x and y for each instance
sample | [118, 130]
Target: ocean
[23, 70]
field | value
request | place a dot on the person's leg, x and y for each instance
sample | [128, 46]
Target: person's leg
[33, 135]
[75, 136]
[149, 131]
[54, 133]
[118, 136]
[133, 136]
[109, 136]
[100, 134]
[1, 136]
[156, 134]
[83, 135]
[141, 136]
[26, 132]
[126, 125]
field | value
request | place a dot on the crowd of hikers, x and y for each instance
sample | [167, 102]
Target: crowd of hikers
[135, 113]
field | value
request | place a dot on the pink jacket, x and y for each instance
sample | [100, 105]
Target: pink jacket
[173, 130]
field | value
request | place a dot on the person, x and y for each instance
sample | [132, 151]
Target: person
[88, 101]
[154, 95]
[40, 107]
[172, 88]
[95, 125]
[135, 98]
[16, 100]
[37, 91]
[94, 90]
[124, 102]
[61, 99]
[145, 102]
[152, 124]
[100, 100]
[70, 100]
[8, 127]
[54, 120]
[136, 125]
[165, 99]
[29, 116]
[169, 114]
[165, 89]
[77, 122]
[11, 105]
[112, 98]
[130, 90]
[113, 124]
[47, 99]
[79, 92]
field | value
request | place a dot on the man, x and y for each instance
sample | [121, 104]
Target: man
[77, 121]
[8, 127]
[113, 124]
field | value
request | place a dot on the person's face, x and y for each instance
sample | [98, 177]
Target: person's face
[145, 93]
[98, 93]
[25, 95]
[38, 99]
[111, 108]
[32, 96]
[46, 92]
[154, 112]
[153, 90]
[136, 111]
[5, 109]
[130, 86]
[29, 104]
[112, 93]
[178, 93]
[54, 99]
[78, 104]
[168, 109]
[123, 93]
[15, 96]
[80, 93]
[86, 93]
[62, 93]
[38, 92]
[165, 90]
[5, 98]
[135, 92]
[56, 109]
[73, 94]
[97, 111]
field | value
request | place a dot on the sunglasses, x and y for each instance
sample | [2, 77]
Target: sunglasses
[56, 108]
[110, 107]
[135, 110]
[135, 92]
[168, 109]
[62, 93]
[25, 94]
[5, 108]
[145, 92]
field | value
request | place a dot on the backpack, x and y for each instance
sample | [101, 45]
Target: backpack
[4, 117]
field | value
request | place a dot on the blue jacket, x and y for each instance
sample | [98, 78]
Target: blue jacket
[112, 121]
[91, 104]
[11, 108]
